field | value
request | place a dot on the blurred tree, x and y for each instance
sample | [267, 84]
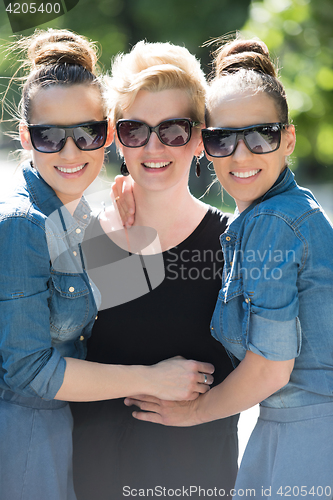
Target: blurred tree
[300, 33]
[119, 24]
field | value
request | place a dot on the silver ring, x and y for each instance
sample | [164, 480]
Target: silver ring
[206, 379]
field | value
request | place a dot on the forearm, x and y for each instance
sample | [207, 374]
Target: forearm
[251, 382]
[88, 381]
[173, 379]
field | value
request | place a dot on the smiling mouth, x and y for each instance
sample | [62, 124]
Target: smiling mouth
[70, 170]
[245, 175]
[155, 165]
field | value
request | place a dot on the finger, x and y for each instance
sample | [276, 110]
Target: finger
[114, 191]
[130, 401]
[205, 367]
[145, 397]
[195, 395]
[203, 388]
[148, 407]
[127, 193]
[134, 400]
[126, 218]
[121, 210]
[148, 417]
[122, 193]
[206, 378]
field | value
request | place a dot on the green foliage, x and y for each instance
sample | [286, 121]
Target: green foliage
[300, 33]
[118, 24]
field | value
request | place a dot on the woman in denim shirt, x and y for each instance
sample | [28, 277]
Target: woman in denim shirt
[274, 312]
[47, 302]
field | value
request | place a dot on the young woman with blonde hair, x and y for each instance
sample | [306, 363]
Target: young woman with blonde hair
[157, 100]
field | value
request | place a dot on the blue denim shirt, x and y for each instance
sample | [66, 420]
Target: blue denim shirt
[276, 298]
[47, 305]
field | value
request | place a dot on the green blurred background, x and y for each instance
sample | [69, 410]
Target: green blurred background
[298, 33]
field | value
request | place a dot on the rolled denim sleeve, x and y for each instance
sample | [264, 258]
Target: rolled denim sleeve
[30, 365]
[270, 274]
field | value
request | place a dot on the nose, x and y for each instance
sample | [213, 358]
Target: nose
[154, 143]
[70, 150]
[241, 151]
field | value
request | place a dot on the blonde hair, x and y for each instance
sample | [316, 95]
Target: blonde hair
[155, 67]
[242, 66]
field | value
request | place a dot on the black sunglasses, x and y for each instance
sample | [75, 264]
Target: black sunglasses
[52, 138]
[135, 134]
[259, 139]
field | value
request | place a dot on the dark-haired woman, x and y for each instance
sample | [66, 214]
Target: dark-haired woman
[274, 312]
[47, 302]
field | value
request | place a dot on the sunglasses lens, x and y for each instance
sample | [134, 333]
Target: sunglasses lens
[91, 136]
[263, 139]
[132, 134]
[219, 142]
[47, 139]
[52, 139]
[175, 132]
[259, 139]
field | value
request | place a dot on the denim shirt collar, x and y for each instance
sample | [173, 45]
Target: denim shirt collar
[284, 182]
[48, 202]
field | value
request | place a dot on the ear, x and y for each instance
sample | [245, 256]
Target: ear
[290, 139]
[200, 147]
[110, 134]
[25, 137]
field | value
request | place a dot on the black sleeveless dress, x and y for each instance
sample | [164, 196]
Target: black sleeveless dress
[116, 456]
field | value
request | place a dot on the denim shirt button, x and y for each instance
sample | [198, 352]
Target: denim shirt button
[228, 238]
[96, 317]
[84, 216]
[78, 230]
[71, 289]
[247, 300]
[81, 338]
[75, 253]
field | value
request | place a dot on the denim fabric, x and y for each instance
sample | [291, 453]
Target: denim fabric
[289, 454]
[47, 304]
[36, 449]
[276, 298]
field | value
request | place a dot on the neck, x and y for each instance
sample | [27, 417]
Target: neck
[173, 213]
[243, 205]
[69, 203]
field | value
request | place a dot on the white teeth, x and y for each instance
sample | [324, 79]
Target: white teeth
[245, 174]
[156, 165]
[71, 170]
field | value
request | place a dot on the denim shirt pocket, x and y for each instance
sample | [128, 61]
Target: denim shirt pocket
[69, 305]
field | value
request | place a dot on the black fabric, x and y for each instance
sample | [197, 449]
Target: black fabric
[112, 450]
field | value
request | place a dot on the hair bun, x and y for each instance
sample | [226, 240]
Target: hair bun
[245, 54]
[59, 47]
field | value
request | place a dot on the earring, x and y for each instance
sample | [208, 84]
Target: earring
[197, 168]
[123, 169]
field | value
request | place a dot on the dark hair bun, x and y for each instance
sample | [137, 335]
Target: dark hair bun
[245, 54]
[53, 47]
